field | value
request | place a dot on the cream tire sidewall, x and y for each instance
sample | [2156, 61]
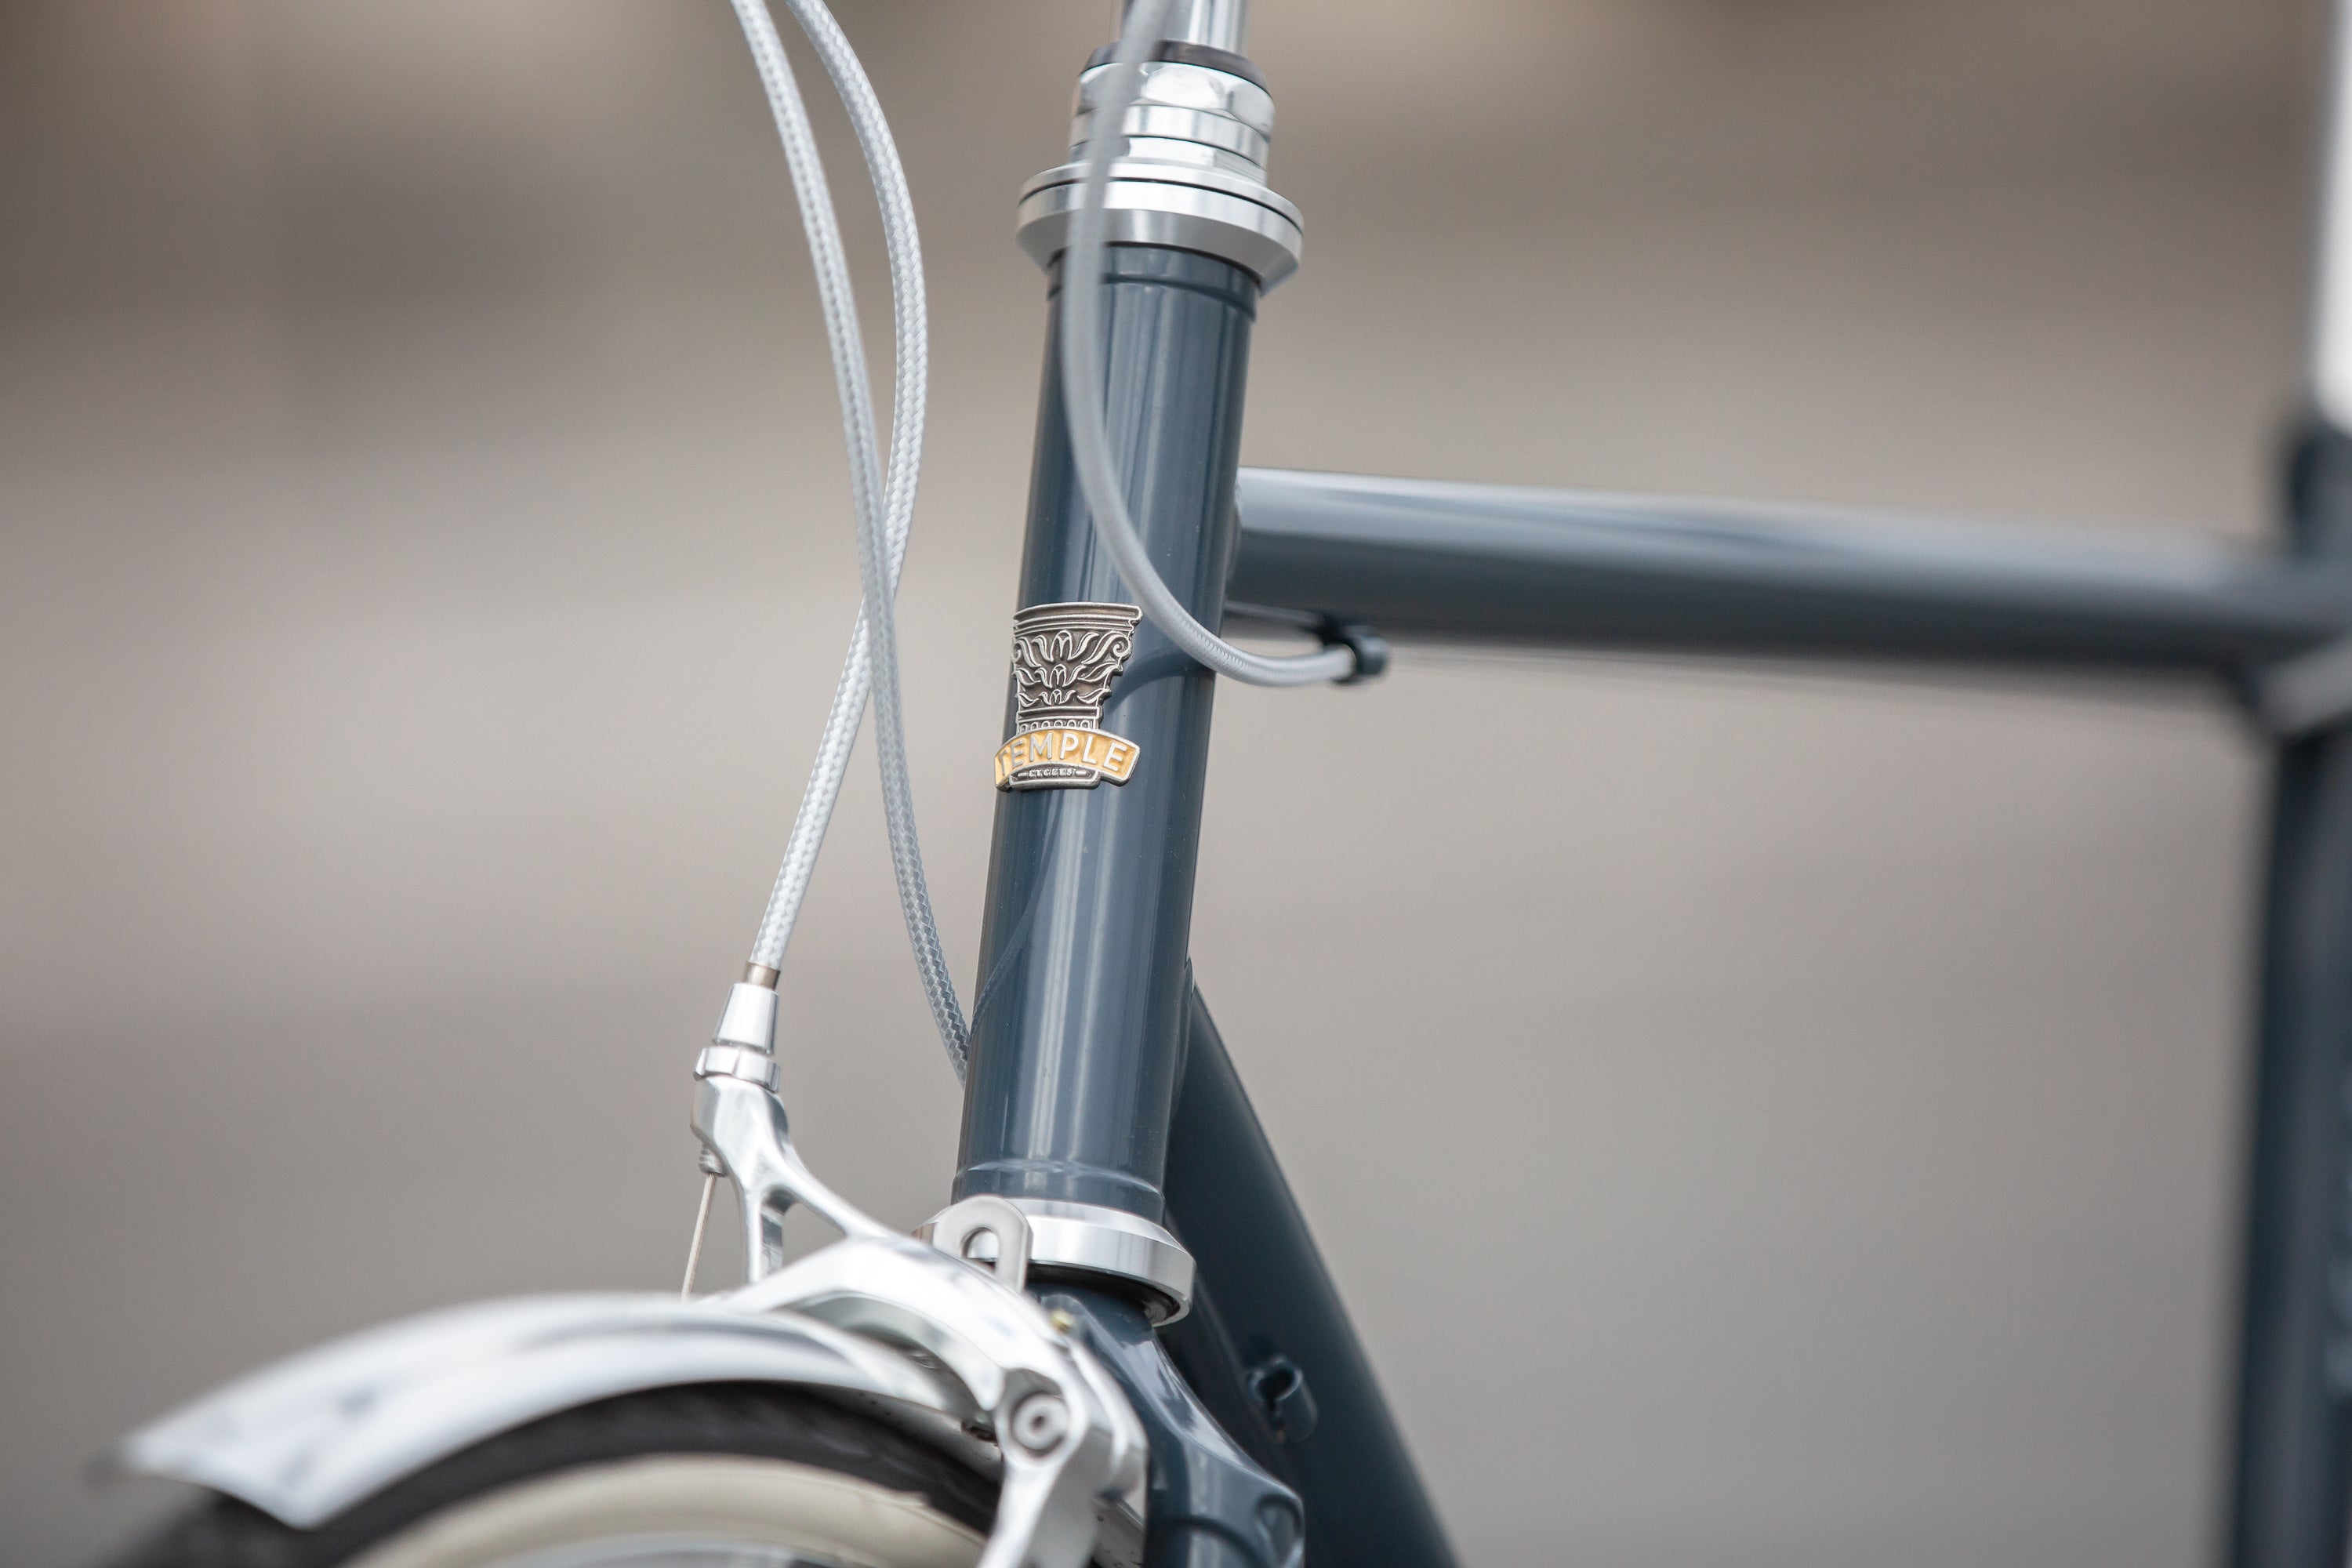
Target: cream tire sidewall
[680, 1497]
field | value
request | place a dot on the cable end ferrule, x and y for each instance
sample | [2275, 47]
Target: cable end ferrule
[750, 1020]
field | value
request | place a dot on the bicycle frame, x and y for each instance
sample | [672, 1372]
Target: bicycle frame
[1099, 1086]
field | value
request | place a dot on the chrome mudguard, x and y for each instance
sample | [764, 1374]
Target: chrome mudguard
[308, 1437]
[916, 1333]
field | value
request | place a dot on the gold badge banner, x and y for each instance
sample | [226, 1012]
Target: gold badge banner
[1058, 757]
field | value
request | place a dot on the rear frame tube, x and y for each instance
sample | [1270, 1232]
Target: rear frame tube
[2288, 1482]
[2292, 1437]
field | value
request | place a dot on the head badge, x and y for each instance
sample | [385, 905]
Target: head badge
[1065, 658]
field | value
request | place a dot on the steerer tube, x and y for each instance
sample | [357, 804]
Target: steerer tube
[1213, 24]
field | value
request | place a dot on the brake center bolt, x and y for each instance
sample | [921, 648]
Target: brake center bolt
[1040, 1422]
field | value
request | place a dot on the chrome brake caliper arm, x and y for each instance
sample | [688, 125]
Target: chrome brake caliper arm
[1070, 1440]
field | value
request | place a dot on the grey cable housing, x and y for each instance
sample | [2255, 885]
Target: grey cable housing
[883, 502]
[1083, 383]
[884, 510]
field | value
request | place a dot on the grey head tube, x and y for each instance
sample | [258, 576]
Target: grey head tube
[1077, 1024]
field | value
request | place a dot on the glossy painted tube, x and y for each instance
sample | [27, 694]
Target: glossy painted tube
[1485, 565]
[1268, 1346]
[1079, 1019]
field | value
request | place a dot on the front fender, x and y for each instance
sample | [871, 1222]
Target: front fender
[308, 1437]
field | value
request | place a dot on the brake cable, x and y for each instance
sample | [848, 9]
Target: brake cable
[1083, 389]
[884, 506]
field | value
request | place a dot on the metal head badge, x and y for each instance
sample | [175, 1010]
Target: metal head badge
[1065, 658]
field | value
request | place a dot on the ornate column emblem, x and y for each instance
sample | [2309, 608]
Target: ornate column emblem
[1065, 658]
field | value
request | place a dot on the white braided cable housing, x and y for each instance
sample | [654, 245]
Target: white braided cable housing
[884, 510]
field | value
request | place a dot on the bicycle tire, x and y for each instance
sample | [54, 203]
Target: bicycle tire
[720, 1473]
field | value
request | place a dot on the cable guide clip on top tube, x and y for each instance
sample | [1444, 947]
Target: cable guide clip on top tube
[1074, 1452]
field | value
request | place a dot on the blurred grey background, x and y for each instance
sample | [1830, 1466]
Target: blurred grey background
[1790, 1120]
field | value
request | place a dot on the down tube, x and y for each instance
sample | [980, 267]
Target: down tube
[1078, 1023]
[1267, 1346]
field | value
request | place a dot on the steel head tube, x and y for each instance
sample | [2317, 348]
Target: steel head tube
[1078, 1017]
